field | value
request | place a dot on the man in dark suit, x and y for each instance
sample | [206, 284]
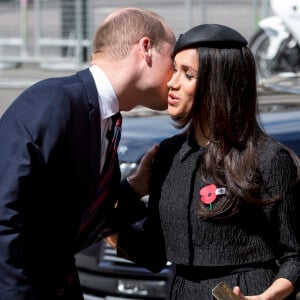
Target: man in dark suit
[53, 152]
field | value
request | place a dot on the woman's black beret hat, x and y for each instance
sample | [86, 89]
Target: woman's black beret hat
[210, 35]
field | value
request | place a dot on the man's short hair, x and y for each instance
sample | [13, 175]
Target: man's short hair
[125, 27]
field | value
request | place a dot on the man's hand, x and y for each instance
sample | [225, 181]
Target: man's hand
[112, 240]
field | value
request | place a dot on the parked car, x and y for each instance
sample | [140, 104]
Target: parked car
[101, 272]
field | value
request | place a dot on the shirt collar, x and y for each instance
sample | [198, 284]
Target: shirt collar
[108, 101]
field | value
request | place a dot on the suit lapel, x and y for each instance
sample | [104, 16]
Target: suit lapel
[94, 119]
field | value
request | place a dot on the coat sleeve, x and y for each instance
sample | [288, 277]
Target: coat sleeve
[24, 140]
[14, 168]
[280, 177]
[143, 241]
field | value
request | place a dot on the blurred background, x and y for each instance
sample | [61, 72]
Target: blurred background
[60, 31]
[45, 38]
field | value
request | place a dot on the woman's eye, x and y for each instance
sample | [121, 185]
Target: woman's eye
[188, 76]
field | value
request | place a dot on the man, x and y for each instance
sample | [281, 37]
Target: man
[53, 153]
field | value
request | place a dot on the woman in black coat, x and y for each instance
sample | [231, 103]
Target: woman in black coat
[223, 195]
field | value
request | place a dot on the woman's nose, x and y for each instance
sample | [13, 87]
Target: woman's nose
[172, 82]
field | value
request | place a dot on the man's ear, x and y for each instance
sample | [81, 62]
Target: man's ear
[146, 49]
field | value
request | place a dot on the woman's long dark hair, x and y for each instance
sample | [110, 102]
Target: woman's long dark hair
[225, 108]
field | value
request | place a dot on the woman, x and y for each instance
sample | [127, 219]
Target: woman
[223, 194]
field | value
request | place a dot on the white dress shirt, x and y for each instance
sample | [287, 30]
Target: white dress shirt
[109, 106]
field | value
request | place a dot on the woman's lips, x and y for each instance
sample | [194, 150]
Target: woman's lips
[172, 99]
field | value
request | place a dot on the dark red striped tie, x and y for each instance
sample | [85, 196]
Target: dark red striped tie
[88, 232]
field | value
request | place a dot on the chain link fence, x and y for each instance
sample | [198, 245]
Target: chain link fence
[58, 33]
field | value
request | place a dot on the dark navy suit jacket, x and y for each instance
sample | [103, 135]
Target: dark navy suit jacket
[49, 169]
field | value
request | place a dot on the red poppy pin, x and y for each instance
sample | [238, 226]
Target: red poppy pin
[209, 193]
